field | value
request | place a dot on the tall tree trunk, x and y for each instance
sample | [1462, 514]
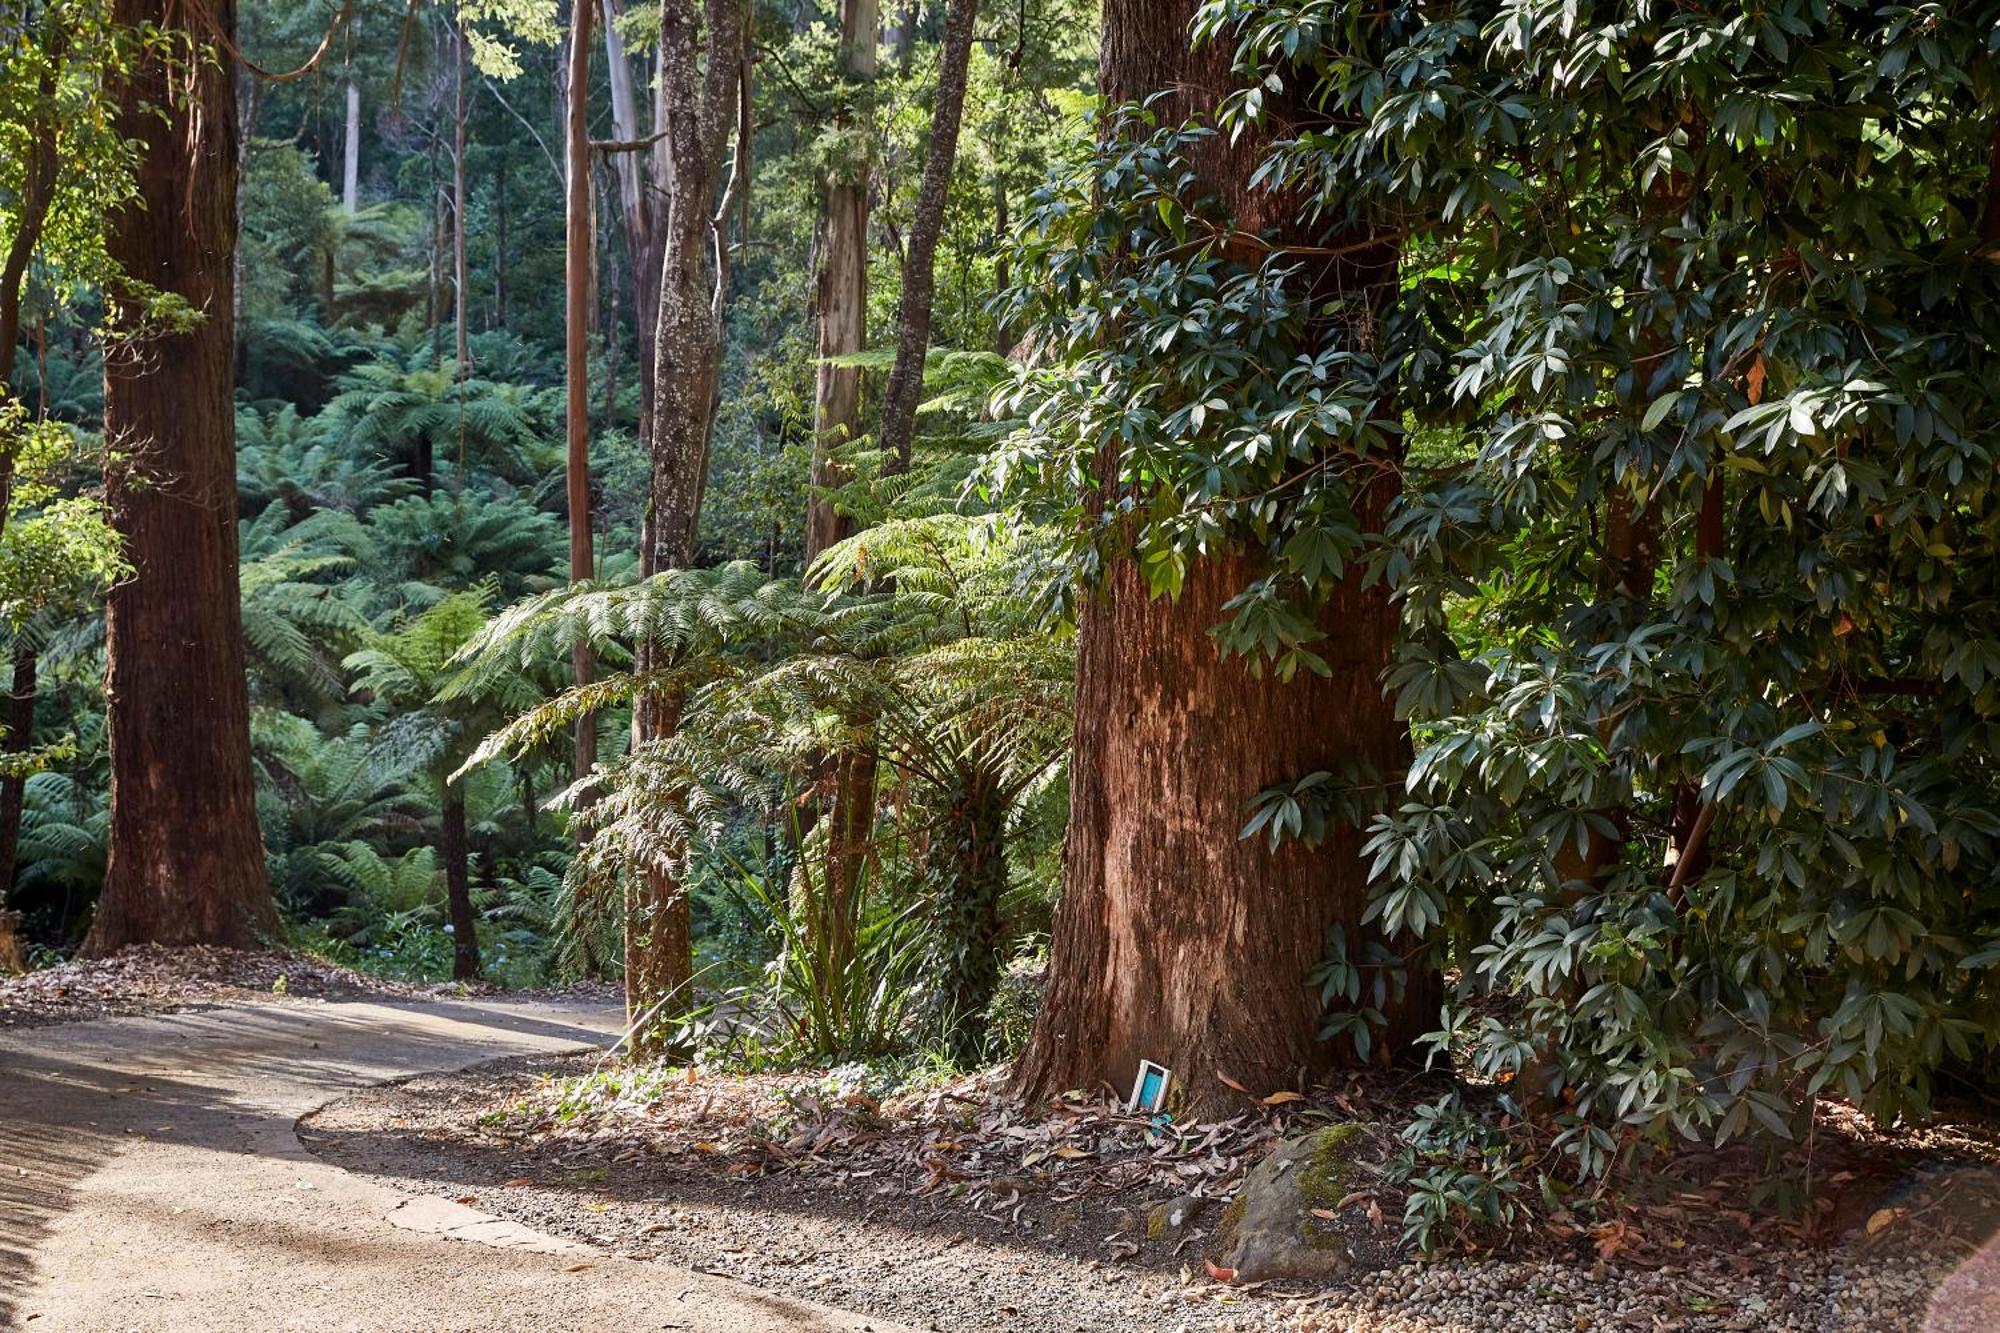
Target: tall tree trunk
[841, 296]
[435, 301]
[644, 177]
[20, 740]
[350, 155]
[1176, 940]
[31, 215]
[659, 957]
[463, 350]
[1002, 277]
[913, 309]
[13, 792]
[501, 209]
[458, 885]
[186, 863]
[579, 235]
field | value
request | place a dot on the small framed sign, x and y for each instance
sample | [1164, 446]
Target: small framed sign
[1149, 1088]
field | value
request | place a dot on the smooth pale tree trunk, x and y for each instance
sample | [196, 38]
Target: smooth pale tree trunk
[458, 885]
[186, 863]
[350, 156]
[841, 297]
[659, 958]
[458, 273]
[913, 309]
[579, 236]
[501, 210]
[1175, 940]
[644, 174]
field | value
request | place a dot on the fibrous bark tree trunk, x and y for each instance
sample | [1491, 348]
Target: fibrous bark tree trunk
[1176, 940]
[579, 236]
[186, 862]
[913, 309]
[841, 295]
[688, 349]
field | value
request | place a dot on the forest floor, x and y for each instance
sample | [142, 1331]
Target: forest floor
[152, 980]
[949, 1208]
[151, 1177]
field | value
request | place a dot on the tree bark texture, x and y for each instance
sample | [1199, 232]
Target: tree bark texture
[841, 297]
[186, 862]
[458, 886]
[1176, 940]
[463, 329]
[688, 352]
[644, 178]
[579, 236]
[913, 309]
[31, 215]
[13, 792]
[350, 153]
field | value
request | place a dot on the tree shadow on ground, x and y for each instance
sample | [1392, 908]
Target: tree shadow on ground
[231, 1080]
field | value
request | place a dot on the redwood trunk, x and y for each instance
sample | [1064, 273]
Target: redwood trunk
[186, 864]
[1176, 940]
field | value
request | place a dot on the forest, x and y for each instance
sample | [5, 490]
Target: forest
[1195, 576]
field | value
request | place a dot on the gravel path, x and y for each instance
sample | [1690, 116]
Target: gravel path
[864, 1241]
[151, 1178]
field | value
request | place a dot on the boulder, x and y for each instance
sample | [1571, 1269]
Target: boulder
[1269, 1232]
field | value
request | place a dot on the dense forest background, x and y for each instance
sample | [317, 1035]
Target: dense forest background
[1358, 533]
[400, 440]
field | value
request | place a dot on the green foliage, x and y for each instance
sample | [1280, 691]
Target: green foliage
[842, 982]
[1682, 356]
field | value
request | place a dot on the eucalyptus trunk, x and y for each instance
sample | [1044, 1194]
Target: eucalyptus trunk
[841, 292]
[579, 235]
[462, 328]
[913, 310]
[350, 156]
[186, 863]
[642, 167]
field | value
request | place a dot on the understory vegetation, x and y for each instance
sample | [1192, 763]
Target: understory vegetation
[1460, 533]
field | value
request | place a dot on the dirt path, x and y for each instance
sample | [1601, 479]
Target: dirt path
[151, 1178]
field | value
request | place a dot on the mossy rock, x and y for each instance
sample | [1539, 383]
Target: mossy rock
[1268, 1232]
